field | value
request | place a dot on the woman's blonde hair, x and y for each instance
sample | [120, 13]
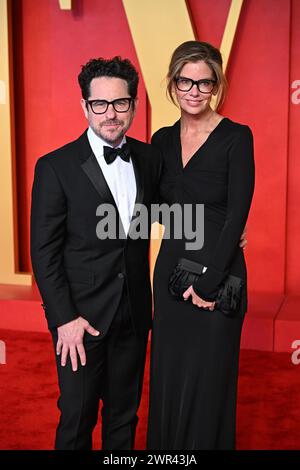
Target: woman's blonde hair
[194, 51]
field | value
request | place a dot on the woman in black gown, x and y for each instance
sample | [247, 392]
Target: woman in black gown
[207, 159]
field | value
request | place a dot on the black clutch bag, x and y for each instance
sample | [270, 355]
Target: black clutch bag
[187, 272]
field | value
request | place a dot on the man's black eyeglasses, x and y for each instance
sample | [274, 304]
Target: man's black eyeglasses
[186, 84]
[120, 105]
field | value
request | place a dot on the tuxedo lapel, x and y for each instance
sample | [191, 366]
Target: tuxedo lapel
[138, 171]
[139, 179]
[93, 171]
[96, 177]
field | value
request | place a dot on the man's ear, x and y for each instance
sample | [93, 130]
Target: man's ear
[84, 107]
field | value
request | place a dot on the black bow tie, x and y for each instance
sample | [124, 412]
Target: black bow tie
[111, 153]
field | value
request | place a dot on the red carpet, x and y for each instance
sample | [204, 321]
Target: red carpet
[268, 405]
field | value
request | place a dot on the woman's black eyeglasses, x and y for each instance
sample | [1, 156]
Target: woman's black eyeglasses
[186, 84]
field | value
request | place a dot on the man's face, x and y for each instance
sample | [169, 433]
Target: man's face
[111, 125]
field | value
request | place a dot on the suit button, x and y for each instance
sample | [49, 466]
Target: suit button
[121, 276]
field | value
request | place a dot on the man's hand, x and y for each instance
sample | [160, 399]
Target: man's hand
[70, 340]
[243, 239]
[197, 300]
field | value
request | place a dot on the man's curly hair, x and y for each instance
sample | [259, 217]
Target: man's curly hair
[115, 67]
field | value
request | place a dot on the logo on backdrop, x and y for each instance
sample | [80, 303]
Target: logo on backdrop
[2, 353]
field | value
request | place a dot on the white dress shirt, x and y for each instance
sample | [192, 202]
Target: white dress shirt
[119, 176]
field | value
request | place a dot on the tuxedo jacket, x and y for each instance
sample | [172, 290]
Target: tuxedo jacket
[77, 273]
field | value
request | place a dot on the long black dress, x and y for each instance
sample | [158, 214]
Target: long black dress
[194, 359]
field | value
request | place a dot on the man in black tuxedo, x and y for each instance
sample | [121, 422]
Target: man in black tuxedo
[96, 290]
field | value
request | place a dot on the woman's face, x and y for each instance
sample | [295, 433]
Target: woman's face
[194, 101]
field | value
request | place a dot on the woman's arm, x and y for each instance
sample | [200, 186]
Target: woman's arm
[240, 191]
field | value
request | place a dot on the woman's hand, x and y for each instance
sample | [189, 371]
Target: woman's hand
[197, 300]
[243, 239]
